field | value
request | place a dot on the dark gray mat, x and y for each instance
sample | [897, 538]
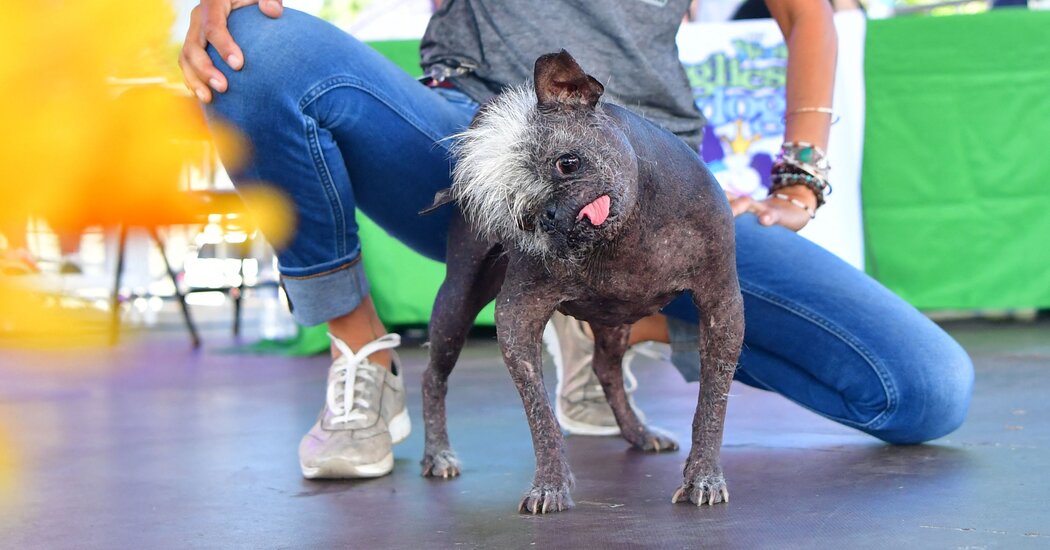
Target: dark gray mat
[155, 446]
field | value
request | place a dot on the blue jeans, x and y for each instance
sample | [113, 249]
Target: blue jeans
[338, 127]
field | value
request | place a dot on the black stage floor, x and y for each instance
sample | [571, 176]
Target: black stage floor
[153, 445]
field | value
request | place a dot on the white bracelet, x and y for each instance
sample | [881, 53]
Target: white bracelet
[797, 203]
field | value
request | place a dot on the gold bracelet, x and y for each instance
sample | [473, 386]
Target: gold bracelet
[825, 110]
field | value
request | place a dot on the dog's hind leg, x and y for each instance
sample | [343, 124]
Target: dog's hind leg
[610, 343]
[721, 335]
[474, 273]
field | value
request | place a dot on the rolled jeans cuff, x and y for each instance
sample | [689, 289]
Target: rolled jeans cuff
[316, 299]
[685, 348]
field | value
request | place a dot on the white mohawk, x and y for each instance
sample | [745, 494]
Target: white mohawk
[494, 180]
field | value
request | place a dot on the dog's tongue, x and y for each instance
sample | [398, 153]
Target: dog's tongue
[596, 211]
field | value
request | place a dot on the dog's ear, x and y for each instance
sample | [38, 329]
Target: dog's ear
[561, 83]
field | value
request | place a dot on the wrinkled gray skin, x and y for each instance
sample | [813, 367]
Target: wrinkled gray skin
[670, 229]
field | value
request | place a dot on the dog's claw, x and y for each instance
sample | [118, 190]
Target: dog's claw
[677, 495]
[545, 500]
[655, 440]
[443, 464]
[710, 489]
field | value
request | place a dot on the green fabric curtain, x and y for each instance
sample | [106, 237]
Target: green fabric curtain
[956, 175]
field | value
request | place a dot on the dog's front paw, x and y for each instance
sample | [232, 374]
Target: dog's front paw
[710, 488]
[652, 440]
[443, 464]
[546, 499]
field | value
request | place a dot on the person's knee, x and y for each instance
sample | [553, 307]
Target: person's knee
[249, 29]
[281, 61]
[934, 401]
[272, 48]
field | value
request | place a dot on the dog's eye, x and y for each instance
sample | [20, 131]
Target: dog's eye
[567, 164]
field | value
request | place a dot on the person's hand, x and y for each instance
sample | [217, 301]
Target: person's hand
[208, 26]
[774, 211]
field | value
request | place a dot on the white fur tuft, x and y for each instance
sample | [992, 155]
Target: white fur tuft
[494, 180]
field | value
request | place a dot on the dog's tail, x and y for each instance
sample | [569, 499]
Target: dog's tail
[441, 198]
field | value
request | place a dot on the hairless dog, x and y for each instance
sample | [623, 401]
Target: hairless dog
[568, 203]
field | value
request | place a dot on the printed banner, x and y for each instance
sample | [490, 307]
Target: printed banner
[737, 72]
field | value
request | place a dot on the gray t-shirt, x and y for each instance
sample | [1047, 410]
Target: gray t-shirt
[483, 46]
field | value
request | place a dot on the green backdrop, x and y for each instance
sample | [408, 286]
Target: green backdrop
[956, 175]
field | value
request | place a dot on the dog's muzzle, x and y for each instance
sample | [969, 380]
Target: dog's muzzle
[559, 217]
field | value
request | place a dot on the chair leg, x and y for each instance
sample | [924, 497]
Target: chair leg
[114, 322]
[238, 293]
[178, 293]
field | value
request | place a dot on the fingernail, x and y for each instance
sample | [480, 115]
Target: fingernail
[767, 219]
[234, 61]
[201, 94]
[214, 83]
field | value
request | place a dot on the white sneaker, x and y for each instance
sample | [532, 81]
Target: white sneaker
[363, 417]
[580, 404]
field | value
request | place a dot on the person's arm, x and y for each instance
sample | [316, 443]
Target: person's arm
[208, 26]
[809, 32]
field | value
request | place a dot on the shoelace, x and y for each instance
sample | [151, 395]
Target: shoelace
[630, 383]
[342, 396]
[652, 350]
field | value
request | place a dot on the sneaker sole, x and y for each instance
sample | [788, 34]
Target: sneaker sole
[338, 468]
[582, 428]
[400, 426]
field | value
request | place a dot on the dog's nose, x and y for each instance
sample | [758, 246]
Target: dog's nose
[549, 219]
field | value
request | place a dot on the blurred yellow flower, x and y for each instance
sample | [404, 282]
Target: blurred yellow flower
[91, 134]
[78, 150]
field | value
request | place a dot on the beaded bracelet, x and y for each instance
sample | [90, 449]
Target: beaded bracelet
[796, 202]
[802, 163]
[788, 176]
